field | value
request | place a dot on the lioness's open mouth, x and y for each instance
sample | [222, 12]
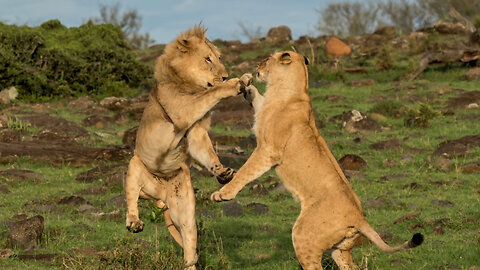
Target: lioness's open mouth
[209, 84]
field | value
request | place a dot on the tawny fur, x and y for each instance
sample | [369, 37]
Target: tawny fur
[287, 139]
[190, 80]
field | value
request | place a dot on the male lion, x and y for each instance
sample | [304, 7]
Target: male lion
[190, 80]
[287, 139]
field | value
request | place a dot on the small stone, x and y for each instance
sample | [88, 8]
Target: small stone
[258, 208]
[26, 233]
[472, 106]
[5, 253]
[232, 209]
[352, 162]
[354, 174]
[443, 203]
[73, 200]
[443, 163]
[86, 208]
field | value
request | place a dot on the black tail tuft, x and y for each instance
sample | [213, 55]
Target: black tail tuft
[416, 240]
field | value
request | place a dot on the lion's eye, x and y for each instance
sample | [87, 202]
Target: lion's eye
[208, 59]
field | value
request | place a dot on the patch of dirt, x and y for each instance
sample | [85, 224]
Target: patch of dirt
[352, 162]
[463, 99]
[19, 175]
[57, 125]
[393, 144]
[73, 200]
[62, 153]
[10, 135]
[97, 120]
[111, 175]
[234, 112]
[458, 147]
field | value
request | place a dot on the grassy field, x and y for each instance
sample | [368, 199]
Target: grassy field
[396, 183]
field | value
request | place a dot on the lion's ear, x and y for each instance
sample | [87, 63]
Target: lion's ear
[306, 61]
[285, 59]
[184, 45]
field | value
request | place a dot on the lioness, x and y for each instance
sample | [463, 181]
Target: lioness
[190, 80]
[287, 139]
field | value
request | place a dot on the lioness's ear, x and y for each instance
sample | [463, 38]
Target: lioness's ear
[285, 59]
[306, 60]
[183, 45]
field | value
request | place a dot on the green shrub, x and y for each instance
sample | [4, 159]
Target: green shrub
[420, 117]
[52, 60]
[384, 59]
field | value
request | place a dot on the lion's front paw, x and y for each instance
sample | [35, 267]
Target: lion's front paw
[226, 176]
[220, 196]
[134, 225]
[247, 79]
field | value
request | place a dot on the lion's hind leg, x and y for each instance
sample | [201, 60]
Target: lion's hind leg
[169, 223]
[344, 259]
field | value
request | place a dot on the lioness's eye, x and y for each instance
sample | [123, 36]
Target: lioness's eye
[208, 59]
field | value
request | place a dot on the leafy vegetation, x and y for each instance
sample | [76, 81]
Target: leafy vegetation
[52, 60]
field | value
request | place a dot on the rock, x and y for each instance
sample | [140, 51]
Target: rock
[129, 137]
[6, 253]
[386, 31]
[473, 106]
[114, 103]
[335, 47]
[97, 190]
[355, 121]
[10, 135]
[112, 175]
[352, 162]
[207, 213]
[438, 230]
[118, 201]
[446, 27]
[362, 82]
[231, 160]
[63, 128]
[86, 208]
[258, 208]
[7, 95]
[73, 200]
[473, 74]
[82, 103]
[474, 267]
[232, 209]
[463, 99]
[407, 217]
[279, 35]
[4, 189]
[442, 203]
[19, 175]
[354, 174]
[472, 167]
[25, 234]
[459, 147]
[393, 144]
[375, 203]
[97, 120]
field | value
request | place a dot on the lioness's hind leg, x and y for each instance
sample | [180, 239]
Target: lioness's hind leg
[132, 192]
[344, 259]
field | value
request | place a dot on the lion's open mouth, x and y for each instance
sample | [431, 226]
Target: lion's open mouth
[209, 84]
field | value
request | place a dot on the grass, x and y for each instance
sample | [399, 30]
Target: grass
[264, 241]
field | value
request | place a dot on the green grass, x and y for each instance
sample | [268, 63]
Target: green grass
[264, 241]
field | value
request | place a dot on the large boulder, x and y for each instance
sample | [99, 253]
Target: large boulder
[280, 34]
[335, 47]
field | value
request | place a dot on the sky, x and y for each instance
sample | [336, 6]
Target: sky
[165, 19]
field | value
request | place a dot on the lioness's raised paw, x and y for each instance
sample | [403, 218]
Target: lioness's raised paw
[250, 93]
[135, 226]
[226, 176]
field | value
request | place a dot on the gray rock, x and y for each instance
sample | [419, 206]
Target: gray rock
[26, 233]
[258, 208]
[232, 209]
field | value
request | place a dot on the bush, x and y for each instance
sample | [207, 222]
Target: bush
[52, 60]
[420, 117]
[384, 59]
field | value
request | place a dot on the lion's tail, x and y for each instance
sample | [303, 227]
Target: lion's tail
[373, 236]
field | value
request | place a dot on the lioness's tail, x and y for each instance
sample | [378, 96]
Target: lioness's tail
[373, 236]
